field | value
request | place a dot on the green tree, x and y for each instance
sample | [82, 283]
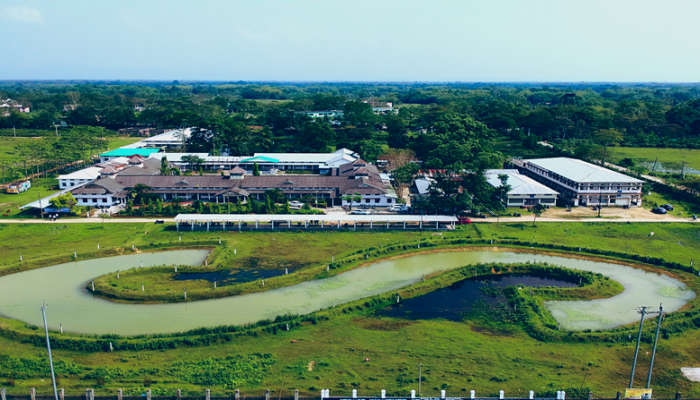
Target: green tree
[537, 210]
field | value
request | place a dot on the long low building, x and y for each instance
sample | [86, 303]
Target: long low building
[524, 191]
[311, 221]
[317, 163]
[580, 183]
[357, 184]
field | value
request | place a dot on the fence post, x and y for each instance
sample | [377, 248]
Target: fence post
[296, 394]
[413, 393]
[120, 394]
[179, 394]
[442, 393]
[563, 395]
[61, 394]
[207, 394]
[383, 394]
[267, 394]
[32, 393]
[501, 394]
[3, 395]
[237, 394]
[590, 395]
[148, 394]
[618, 396]
[532, 394]
[354, 393]
[472, 394]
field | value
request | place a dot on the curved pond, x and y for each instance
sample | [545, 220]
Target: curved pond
[62, 287]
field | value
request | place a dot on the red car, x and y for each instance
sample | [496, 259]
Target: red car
[463, 220]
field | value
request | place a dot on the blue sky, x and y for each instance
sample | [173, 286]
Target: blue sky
[359, 40]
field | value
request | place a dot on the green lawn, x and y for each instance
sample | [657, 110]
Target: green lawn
[664, 155]
[360, 350]
[8, 148]
[114, 142]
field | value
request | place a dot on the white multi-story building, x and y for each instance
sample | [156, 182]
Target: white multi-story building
[79, 177]
[104, 193]
[524, 191]
[580, 183]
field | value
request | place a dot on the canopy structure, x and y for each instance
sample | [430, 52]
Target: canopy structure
[312, 221]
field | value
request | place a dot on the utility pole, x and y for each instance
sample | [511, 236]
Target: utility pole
[41, 209]
[642, 311]
[656, 339]
[48, 348]
[420, 377]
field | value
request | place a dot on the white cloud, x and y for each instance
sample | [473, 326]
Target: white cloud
[21, 14]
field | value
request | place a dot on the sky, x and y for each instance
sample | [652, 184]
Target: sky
[352, 40]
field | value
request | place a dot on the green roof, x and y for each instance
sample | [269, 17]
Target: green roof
[129, 152]
[261, 158]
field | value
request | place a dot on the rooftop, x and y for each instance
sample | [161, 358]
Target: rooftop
[519, 184]
[85, 173]
[580, 171]
[122, 152]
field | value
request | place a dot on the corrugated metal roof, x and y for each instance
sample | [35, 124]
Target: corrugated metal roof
[312, 217]
[581, 171]
[85, 173]
[519, 184]
[121, 152]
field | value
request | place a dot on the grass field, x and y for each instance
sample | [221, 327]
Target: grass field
[664, 155]
[360, 350]
[9, 153]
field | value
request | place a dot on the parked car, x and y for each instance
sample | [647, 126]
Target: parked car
[659, 210]
[159, 221]
[463, 220]
[668, 207]
[296, 205]
[360, 212]
[398, 208]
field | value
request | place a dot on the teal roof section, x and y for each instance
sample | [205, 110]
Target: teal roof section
[262, 159]
[129, 152]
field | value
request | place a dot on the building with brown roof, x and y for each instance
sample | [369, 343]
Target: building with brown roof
[355, 184]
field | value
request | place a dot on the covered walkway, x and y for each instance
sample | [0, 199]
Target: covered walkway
[240, 222]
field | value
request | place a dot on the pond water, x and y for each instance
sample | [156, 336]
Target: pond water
[230, 277]
[456, 301]
[62, 287]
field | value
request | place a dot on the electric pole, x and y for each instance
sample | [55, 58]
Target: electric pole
[48, 348]
[420, 377]
[656, 339]
[642, 311]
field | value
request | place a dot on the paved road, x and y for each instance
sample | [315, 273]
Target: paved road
[523, 219]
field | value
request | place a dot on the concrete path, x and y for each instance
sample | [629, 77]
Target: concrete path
[523, 219]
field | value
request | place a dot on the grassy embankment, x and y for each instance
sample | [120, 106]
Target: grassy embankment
[669, 156]
[359, 349]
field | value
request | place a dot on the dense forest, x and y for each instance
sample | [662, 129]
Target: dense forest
[246, 117]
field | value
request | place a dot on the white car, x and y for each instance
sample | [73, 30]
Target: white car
[296, 205]
[360, 212]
